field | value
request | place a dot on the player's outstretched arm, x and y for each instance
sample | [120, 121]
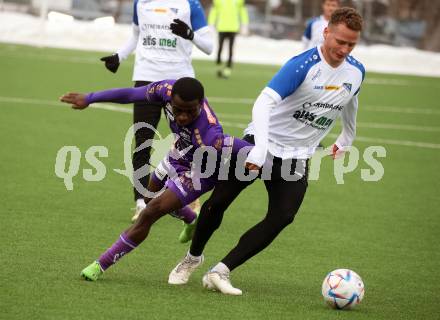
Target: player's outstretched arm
[118, 95]
[78, 100]
[121, 96]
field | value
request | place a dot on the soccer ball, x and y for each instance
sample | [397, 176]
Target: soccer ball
[343, 289]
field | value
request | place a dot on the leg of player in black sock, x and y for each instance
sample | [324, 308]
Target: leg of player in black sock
[143, 112]
[212, 211]
[221, 39]
[231, 38]
[285, 198]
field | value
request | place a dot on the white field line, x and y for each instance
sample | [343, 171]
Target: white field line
[55, 103]
[227, 124]
[407, 143]
[234, 124]
[111, 107]
[392, 82]
[229, 115]
[250, 102]
[370, 125]
[406, 127]
[401, 110]
[424, 111]
[52, 57]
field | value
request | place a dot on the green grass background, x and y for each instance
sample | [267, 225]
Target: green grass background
[387, 231]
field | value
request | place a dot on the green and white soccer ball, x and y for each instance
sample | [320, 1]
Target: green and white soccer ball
[343, 289]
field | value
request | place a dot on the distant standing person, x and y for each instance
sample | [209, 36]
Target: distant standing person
[228, 17]
[163, 35]
[313, 35]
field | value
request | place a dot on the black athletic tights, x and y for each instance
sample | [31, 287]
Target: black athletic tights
[285, 198]
[221, 39]
[149, 113]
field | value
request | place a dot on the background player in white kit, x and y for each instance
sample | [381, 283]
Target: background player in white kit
[164, 32]
[290, 117]
[313, 34]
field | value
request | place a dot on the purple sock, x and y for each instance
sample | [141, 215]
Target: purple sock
[186, 214]
[120, 248]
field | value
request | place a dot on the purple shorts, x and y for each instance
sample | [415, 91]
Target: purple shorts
[176, 176]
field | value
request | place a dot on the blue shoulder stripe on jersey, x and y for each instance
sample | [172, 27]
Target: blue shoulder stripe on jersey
[358, 65]
[308, 31]
[135, 13]
[293, 73]
[198, 19]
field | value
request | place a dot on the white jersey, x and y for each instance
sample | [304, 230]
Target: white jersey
[308, 96]
[160, 53]
[314, 34]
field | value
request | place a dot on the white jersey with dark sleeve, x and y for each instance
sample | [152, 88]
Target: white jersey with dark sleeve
[160, 53]
[300, 105]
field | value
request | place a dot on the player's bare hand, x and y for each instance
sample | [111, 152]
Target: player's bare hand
[252, 167]
[336, 153]
[78, 100]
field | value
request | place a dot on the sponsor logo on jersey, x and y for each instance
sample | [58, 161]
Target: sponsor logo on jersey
[306, 115]
[311, 119]
[147, 26]
[346, 90]
[347, 86]
[327, 87]
[316, 75]
[322, 105]
[162, 43]
[322, 123]
[174, 10]
[157, 10]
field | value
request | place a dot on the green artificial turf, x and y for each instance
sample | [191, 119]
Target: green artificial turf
[387, 231]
